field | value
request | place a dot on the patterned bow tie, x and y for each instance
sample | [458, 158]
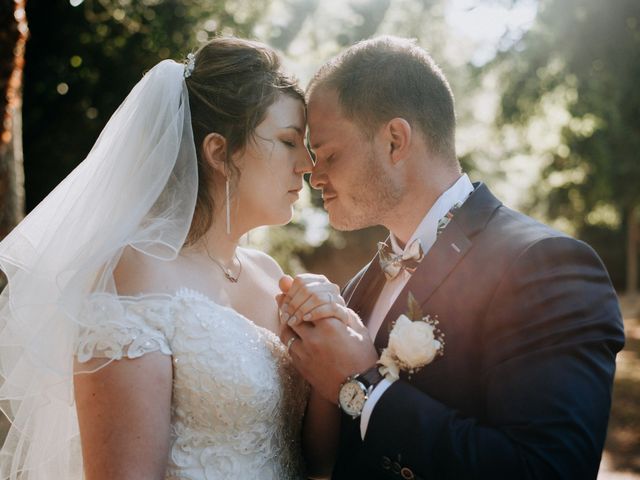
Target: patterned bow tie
[392, 264]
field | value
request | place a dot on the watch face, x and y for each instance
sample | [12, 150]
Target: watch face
[352, 397]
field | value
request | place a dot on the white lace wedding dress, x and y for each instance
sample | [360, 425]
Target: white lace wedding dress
[237, 402]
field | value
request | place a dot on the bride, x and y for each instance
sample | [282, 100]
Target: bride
[138, 340]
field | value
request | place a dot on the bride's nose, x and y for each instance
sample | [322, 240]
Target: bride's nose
[304, 164]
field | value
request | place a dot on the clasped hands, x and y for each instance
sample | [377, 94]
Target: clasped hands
[326, 340]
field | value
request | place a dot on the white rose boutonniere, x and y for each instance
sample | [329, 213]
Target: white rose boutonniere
[414, 342]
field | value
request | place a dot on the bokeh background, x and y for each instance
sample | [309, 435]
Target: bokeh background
[547, 95]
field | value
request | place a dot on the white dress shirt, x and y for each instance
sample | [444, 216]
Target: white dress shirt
[427, 232]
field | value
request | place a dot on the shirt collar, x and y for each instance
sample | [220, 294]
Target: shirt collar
[428, 227]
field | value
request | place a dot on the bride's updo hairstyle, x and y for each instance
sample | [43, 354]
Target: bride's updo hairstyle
[231, 86]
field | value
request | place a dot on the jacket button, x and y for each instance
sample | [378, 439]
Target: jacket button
[407, 474]
[386, 463]
[396, 468]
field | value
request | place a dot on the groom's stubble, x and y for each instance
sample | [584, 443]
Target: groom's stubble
[373, 193]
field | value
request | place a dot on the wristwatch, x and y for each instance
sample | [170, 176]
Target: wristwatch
[356, 389]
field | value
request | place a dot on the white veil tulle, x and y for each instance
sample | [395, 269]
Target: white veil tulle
[137, 187]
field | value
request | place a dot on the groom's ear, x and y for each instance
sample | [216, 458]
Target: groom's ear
[398, 137]
[214, 151]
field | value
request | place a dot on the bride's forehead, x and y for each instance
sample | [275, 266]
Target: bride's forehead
[286, 111]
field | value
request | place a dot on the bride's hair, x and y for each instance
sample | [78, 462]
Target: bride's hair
[233, 83]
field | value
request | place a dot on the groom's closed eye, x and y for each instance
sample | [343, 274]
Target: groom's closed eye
[314, 156]
[329, 158]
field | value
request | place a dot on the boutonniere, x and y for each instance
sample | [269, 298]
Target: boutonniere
[414, 341]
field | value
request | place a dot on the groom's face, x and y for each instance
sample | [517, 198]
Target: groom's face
[357, 188]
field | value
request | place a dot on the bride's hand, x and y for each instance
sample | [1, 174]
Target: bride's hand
[310, 298]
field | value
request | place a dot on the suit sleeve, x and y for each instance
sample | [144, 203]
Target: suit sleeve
[549, 340]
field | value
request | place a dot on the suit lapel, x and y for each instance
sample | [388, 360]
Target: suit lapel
[451, 246]
[366, 291]
[448, 250]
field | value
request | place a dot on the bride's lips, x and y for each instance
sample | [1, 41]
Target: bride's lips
[295, 192]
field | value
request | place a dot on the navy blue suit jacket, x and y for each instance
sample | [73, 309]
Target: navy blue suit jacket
[523, 391]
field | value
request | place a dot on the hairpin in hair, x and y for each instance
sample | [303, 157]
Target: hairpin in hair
[189, 65]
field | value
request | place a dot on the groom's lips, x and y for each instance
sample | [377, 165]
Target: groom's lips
[328, 198]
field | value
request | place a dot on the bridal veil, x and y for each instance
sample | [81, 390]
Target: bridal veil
[137, 187]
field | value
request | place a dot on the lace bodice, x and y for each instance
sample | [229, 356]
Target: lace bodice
[237, 402]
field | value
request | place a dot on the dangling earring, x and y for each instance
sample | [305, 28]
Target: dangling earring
[228, 208]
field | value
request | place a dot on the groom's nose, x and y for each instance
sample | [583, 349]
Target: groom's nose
[318, 178]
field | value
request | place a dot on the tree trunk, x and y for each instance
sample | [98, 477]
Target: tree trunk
[632, 251]
[13, 37]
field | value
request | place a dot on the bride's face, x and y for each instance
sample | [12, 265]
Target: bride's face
[272, 166]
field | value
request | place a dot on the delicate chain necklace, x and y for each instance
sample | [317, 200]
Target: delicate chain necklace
[225, 270]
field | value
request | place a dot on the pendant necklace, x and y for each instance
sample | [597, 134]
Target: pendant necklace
[227, 271]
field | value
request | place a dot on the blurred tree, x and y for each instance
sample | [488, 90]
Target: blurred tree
[85, 56]
[13, 37]
[584, 54]
[368, 15]
[286, 28]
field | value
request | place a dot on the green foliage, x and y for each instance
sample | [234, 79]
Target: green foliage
[283, 32]
[287, 245]
[585, 54]
[591, 50]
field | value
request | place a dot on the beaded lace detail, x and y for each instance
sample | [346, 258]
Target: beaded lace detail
[237, 402]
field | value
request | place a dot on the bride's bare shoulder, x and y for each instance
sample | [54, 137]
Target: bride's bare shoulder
[137, 273]
[263, 262]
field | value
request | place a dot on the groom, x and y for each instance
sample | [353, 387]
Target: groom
[531, 323]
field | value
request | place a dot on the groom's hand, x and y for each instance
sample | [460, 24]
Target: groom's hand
[327, 342]
[328, 351]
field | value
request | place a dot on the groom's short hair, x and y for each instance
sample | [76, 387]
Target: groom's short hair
[387, 77]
